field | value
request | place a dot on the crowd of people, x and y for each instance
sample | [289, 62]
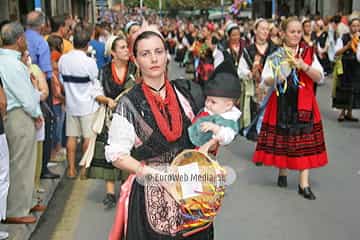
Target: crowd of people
[63, 79]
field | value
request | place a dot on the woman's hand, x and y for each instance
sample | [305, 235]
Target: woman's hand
[298, 63]
[111, 103]
[209, 146]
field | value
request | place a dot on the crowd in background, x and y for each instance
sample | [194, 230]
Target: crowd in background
[53, 73]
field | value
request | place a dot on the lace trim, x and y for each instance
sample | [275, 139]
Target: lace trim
[162, 211]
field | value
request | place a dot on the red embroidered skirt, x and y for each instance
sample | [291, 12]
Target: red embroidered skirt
[282, 149]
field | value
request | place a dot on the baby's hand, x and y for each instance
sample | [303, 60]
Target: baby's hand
[209, 126]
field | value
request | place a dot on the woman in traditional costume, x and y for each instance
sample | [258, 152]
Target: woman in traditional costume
[235, 43]
[203, 56]
[309, 39]
[320, 36]
[249, 70]
[291, 135]
[275, 34]
[115, 77]
[149, 128]
[347, 86]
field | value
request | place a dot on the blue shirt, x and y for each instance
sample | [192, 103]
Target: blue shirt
[39, 51]
[99, 48]
[15, 77]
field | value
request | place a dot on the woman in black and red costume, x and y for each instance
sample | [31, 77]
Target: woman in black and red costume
[291, 135]
[149, 128]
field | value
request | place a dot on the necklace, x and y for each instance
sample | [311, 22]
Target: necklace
[157, 90]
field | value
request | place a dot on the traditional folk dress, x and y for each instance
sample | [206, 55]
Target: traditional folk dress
[346, 89]
[252, 94]
[320, 43]
[236, 50]
[139, 128]
[292, 134]
[112, 85]
[203, 62]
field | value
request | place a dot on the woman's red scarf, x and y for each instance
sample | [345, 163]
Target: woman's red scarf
[116, 78]
[306, 91]
[163, 109]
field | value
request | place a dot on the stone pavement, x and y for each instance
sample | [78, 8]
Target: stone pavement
[24, 231]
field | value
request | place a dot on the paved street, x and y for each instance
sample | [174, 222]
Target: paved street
[254, 208]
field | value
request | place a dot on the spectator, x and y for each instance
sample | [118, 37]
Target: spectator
[40, 55]
[98, 47]
[61, 29]
[80, 75]
[23, 117]
[39, 83]
[4, 162]
[56, 47]
[334, 23]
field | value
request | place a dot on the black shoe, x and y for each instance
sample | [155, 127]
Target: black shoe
[109, 201]
[306, 193]
[49, 175]
[282, 181]
[351, 119]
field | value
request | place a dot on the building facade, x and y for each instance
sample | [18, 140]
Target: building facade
[17, 9]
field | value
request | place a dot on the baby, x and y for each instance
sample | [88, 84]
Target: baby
[218, 123]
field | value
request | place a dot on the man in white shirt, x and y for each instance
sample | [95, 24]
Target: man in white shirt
[79, 73]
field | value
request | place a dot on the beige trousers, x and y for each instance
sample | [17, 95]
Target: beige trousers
[20, 135]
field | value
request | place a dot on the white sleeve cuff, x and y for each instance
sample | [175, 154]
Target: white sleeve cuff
[121, 138]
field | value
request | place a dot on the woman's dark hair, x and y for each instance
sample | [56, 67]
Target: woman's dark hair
[118, 38]
[353, 20]
[336, 19]
[232, 29]
[305, 22]
[98, 29]
[55, 43]
[146, 35]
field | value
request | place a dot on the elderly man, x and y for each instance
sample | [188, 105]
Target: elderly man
[40, 55]
[22, 117]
